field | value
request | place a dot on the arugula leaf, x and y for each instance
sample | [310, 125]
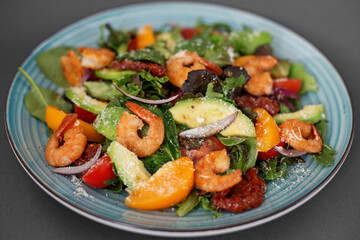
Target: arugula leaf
[50, 65]
[284, 108]
[146, 54]
[248, 40]
[161, 47]
[308, 81]
[326, 156]
[271, 169]
[39, 98]
[243, 155]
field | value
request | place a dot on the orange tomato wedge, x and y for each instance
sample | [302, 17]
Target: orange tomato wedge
[145, 37]
[170, 185]
[54, 116]
[267, 131]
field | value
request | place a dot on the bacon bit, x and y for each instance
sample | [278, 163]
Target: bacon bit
[156, 69]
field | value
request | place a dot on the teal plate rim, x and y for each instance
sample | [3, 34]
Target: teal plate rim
[175, 232]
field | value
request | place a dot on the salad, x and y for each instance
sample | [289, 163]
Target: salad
[181, 117]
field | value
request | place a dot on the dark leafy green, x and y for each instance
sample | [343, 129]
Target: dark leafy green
[146, 54]
[50, 65]
[191, 202]
[284, 108]
[243, 155]
[321, 126]
[230, 141]
[326, 156]
[115, 184]
[230, 83]
[116, 40]
[39, 98]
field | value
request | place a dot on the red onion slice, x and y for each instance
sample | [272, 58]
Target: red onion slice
[149, 101]
[87, 74]
[81, 168]
[289, 152]
[209, 129]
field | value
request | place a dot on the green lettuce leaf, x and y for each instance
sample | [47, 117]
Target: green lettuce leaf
[248, 40]
[326, 156]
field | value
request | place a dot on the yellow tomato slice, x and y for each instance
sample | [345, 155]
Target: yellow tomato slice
[54, 116]
[145, 37]
[168, 186]
[267, 131]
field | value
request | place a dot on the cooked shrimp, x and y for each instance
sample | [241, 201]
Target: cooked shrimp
[129, 124]
[259, 64]
[183, 62]
[96, 58]
[301, 135]
[260, 82]
[72, 69]
[207, 168]
[67, 143]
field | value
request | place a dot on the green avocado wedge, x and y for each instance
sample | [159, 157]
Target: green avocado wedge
[202, 111]
[130, 169]
[310, 113]
[79, 97]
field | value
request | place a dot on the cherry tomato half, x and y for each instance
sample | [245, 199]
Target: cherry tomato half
[271, 153]
[291, 84]
[188, 33]
[211, 144]
[100, 172]
[85, 115]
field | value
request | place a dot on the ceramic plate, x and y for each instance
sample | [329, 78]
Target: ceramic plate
[28, 136]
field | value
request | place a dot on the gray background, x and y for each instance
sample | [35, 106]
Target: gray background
[26, 212]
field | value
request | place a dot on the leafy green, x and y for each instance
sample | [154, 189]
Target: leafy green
[117, 40]
[243, 155]
[326, 156]
[231, 83]
[272, 169]
[218, 52]
[290, 160]
[39, 98]
[153, 85]
[115, 184]
[191, 201]
[248, 40]
[146, 54]
[169, 149]
[218, 26]
[322, 127]
[250, 113]
[161, 47]
[125, 83]
[50, 65]
[308, 81]
[207, 205]
[211, 93]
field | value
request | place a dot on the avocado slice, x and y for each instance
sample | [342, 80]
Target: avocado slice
[130, 169]
[111, 74]
[107, 121]
[79, 97]
[202, 111]
[310, 113]
[102, 90]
